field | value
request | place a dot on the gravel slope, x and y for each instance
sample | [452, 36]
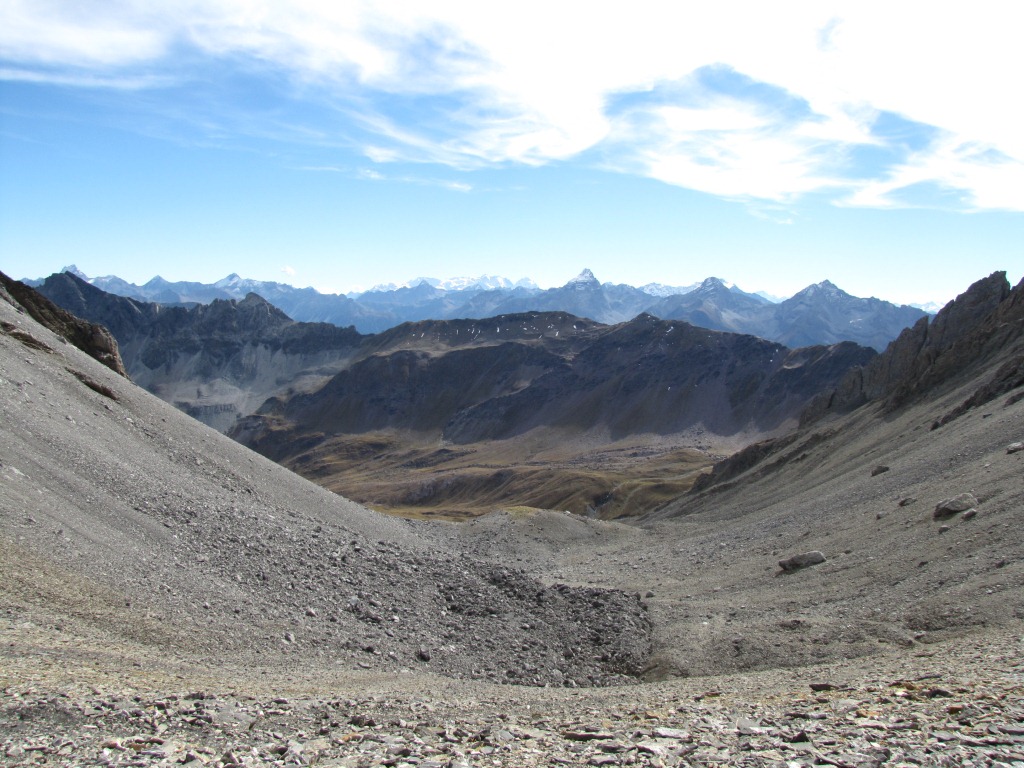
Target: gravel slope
[182, 534]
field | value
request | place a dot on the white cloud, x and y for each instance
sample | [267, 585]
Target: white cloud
[85, 80]
[86, 34]
[468, 84]
[290, 271]
[970, 176]
[368, 174]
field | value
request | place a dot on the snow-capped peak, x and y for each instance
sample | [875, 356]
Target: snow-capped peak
[485, 282]
[586, 277]
[827, 287]
[230, 281]
[71, 269]
[662, 291]
[714, 284]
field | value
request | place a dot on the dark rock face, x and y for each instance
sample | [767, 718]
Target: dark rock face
[986, 319]
[92, 338]
[664, 377]
[645, 376]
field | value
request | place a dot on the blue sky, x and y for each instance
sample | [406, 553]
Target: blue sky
[344, 145]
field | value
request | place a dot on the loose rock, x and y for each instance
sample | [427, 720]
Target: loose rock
[803, 560]
[954, 506]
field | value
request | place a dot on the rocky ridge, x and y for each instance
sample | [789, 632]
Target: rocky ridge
[92, 338]
[820, 314]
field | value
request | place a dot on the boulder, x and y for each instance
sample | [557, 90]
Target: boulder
[803, 560]
[954, 506]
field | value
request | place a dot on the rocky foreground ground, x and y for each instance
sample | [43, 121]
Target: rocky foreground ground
[957, 703]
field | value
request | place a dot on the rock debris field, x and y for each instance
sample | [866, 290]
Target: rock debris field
[931, 709]
[169, 598]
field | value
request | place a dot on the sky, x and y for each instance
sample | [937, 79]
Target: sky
[343, 145]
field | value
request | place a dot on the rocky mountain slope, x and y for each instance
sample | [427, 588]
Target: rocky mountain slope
[820, 314]
[547, 406]
[907, 478]
[439, 425]
[215, 361]
[197, 545]
[172, 597]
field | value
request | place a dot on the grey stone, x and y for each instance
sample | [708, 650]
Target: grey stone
[803, 560]
[959, 503]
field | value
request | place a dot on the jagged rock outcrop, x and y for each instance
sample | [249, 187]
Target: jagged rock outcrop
[92, 338]
[981, 329]
[979, 323]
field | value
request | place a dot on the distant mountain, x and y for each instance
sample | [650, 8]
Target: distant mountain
[441, 391]
[824, 314]
[661, 291]
[583, 296]
[483, 282]
[820, 314]
[715, 305]
[215, 361]
[461, 380]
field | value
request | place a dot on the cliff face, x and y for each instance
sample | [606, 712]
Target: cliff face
[92, 338]
[983, 321]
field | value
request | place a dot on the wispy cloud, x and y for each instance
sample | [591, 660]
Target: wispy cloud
[638, 89]
[949, 174]
[372, 174]
[128, 82]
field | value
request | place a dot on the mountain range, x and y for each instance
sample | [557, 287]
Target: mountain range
[452, 409]
[820, 314]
